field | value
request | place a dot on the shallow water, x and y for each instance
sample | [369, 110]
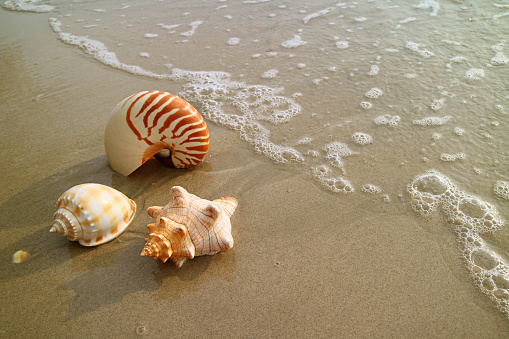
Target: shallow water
[327, 236]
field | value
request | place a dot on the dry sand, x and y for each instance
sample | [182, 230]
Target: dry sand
[306, 262]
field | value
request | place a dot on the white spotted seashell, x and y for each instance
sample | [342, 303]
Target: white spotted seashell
[189, 226]
[92, 214]
[154, 123]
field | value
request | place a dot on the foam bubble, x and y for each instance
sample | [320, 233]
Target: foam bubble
[437, 104]
[452, 157]
[474, 74]
[342, 44]
[337, 185]
[233, 41]
[304, 140]
[270, 74]
[499, 59]
[194, 25]
[373, 93]
[151, 35]
[416, 48]
[362, 138]
[431, 121]
[374, 70]
[371, 189]
[335, 152]
[501, 189]
[317, 14]
[295, 42]
[144, 54]
[387, 119]
[427, 4]
[27, 6]
[366, 105]
[459, 131]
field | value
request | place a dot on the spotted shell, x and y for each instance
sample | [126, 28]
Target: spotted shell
[92, 214]
[155, 123]
[189, 226]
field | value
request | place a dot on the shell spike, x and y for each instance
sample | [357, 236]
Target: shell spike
[154, 211]
[227, 205]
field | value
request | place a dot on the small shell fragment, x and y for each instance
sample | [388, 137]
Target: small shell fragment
[19, 256]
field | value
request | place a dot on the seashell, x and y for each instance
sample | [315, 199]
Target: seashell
[155, 123]
[92, 214]
[189, 226]
[19, 256]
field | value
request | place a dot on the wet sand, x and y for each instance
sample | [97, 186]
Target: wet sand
[305, 263]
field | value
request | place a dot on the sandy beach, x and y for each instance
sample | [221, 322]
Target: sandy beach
[307, 262]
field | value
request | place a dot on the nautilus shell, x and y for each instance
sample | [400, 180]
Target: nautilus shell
[155, 123]
[92, 214]
[189, 226]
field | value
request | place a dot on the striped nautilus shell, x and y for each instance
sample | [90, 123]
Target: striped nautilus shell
[189, 226]
[92, 214]
[154, 123]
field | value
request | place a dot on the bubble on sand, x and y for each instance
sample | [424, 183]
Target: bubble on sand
[337, 185]
[366, 105]
[233, 41]
[373, 93]
[335, 152]
[374, 70]
[151, 35]
[144, 54]
[362, 138]
[387, 119]
[459, 131]
[416, 48]
[452, 157]
[295, 42]
[431, 121]
[27, 6]
[270, 74]
[371, 189]
[427, 4]
[501, 189]
[474, 74]
[437, 104]
[342, 44]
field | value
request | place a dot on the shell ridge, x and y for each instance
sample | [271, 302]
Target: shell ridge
[128, 115]
[161, 111]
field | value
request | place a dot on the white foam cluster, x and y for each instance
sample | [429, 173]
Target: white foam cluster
[437, 104]
[452, 157]
[366, 105]
[338, 185]
[436, 136]
[304, 140]
[295, 42]
[151, 35]
[499, 58]
[431, 121]
[362, 138]
[371, 189]
[474, 74]
[335, 152]
[194, 25]
[470, 217]
[270, 74]
[342, 44]
[374, 70]
[373, 93]
[317, 14]
[416, 48]
[427, 4]
[387, 119]
[27, 6]
[233, 41]
[501, 189]
[459, 131]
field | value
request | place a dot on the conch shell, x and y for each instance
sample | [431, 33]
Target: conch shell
[155, 123]
[92, 214]
[189, 226]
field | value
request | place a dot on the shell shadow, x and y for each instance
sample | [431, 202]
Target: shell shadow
[47, 249]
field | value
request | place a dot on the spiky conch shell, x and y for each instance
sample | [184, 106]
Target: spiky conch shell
[147, 123]
[92, 214]
[189, 226]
